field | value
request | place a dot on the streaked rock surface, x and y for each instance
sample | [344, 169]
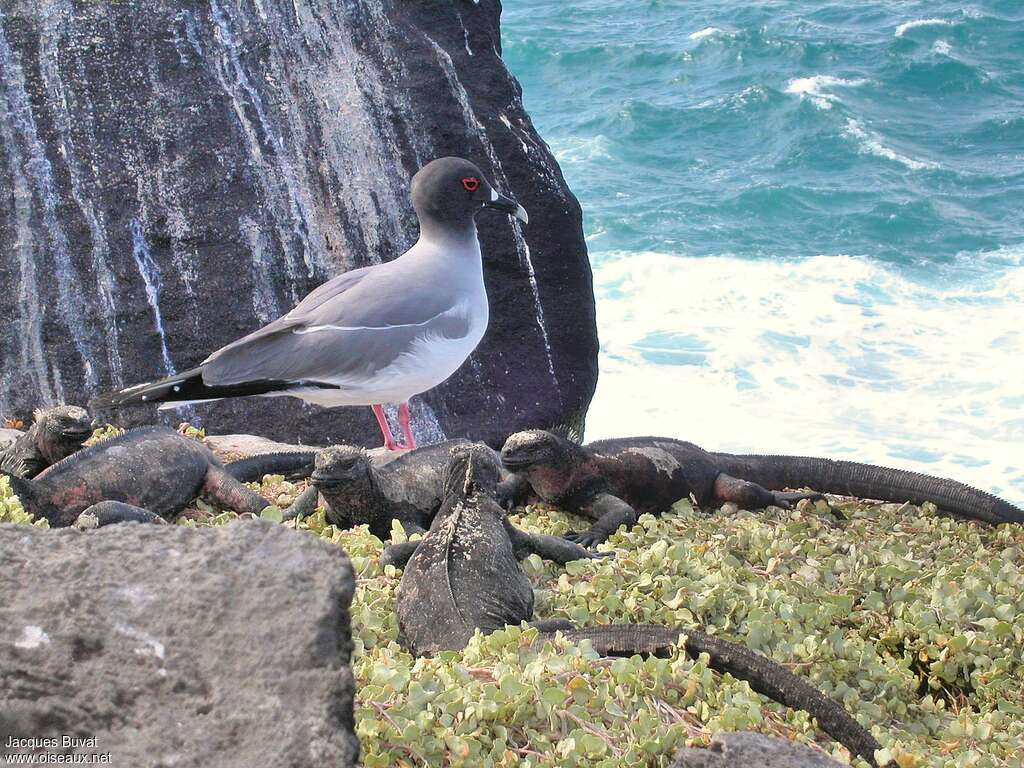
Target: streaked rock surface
[175, 174]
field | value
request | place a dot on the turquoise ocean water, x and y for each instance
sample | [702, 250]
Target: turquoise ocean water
[806, 220]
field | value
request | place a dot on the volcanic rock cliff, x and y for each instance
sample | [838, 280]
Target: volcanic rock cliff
[175, 174]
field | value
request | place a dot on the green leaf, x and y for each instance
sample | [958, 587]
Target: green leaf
[272, 513]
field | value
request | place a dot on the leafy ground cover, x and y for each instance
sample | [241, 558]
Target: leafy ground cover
[914, 621]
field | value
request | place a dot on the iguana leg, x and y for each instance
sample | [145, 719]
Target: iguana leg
[552, 548]
[412, 519]
[514, 491]
[224, 491]
[611, 512]
[304, 505]
[748, 495]
[398, 555]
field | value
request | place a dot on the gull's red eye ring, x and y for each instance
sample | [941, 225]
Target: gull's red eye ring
[470, 184]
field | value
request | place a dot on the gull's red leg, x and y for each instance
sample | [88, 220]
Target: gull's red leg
[403, 419]
[382, 422]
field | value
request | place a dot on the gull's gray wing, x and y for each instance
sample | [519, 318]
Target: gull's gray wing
[347, 329]
[336, 286]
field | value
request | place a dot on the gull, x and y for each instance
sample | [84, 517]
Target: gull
[370, 336]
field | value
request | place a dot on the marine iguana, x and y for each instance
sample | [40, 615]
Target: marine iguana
[154, 468]
[56, 434]
[614, 481]
[464, 575]
[408, 489]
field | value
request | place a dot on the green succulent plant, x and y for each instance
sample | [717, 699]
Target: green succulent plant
[914, 621]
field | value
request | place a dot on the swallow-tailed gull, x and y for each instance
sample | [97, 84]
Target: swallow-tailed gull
[370, 336]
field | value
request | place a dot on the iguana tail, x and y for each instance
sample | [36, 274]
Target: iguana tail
[763, 675]
[296, 465]
[867, 481]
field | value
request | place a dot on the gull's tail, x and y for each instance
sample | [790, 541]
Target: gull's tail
[185, 387]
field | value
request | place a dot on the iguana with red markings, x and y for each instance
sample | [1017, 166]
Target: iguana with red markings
[153, 468]
[614, 481]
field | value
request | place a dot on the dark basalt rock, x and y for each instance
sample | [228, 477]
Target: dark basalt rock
[743, 749]
[142, 636]
[175, 174]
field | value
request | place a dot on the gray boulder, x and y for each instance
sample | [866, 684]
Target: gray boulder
[223, 646]
[742, 749]
[231, 447]
[176, 173]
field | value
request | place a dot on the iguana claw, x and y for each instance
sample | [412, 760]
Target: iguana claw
[587, 539]
[785, 499]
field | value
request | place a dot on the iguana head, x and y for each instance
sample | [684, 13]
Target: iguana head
[471, 468]
[533, 447]
[348, 481]
[341, 465]
[61, 430]
[545, 459]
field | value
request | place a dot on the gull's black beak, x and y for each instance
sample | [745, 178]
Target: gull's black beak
[491, 199]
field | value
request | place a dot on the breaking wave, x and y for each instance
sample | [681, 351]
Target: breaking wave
[834, 356]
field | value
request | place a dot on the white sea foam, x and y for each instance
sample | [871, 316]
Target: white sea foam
[814, 84]
[902, 28]
[942, 48]
[580, 150]
[706, 32]
[814, 88]
[869, 143]
[831, 355]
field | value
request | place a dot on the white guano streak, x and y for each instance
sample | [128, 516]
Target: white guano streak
[289, 209]
[33, 356]
[522, 247]
[18, 114]
[48, 68]
[150, 273]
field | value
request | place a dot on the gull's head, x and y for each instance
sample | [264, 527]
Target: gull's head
[451, 191]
